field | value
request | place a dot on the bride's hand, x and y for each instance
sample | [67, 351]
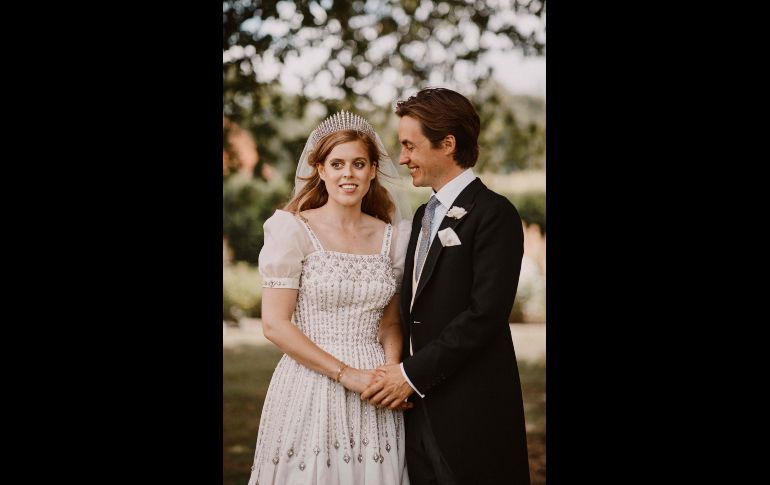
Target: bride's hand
[356, 380]
[376, 377]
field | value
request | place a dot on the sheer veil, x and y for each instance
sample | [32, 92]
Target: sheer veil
[387, 172]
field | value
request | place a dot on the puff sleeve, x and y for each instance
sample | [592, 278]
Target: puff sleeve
[285, 248]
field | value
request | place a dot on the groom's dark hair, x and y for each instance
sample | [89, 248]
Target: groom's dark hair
[443, 112]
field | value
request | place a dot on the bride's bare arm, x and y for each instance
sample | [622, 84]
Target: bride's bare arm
[390, 331]
[278, 305]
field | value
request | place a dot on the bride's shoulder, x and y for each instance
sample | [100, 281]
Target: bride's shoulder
[402, 231]
[403, 227]
[307, 214]
[374, 222]
[282, 220]
[284, 229]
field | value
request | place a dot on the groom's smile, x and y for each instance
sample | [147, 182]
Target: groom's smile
[429, 166]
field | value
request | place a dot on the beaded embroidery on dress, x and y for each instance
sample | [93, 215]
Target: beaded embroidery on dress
[313, 430]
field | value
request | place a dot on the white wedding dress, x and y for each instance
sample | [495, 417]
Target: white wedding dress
[313, 431]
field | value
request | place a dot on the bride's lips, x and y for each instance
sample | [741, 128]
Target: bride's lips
[348, 188]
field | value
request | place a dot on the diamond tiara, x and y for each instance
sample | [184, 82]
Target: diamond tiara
[342, 120]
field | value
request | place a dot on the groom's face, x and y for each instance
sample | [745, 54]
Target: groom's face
[426, 164]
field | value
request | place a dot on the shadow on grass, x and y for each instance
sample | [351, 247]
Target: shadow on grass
[247, 373]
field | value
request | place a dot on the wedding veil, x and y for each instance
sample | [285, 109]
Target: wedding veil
[387, 172]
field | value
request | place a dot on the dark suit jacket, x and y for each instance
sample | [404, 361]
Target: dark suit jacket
[463, 359]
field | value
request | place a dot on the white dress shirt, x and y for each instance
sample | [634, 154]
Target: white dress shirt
[446, 197]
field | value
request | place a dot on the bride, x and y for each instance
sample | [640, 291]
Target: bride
[333, 259]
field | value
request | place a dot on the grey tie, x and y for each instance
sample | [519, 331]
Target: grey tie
[422, 251]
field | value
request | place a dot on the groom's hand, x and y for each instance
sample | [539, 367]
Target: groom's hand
[389, 388]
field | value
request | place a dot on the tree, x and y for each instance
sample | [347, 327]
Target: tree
[356, 55]
[513, 134]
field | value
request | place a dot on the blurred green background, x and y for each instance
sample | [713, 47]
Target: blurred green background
[288, 65]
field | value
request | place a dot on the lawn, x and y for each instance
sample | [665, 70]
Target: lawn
[247, 372]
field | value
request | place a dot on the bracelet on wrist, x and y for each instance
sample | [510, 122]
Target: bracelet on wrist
[343, 366]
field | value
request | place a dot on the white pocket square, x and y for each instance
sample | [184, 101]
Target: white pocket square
[448, 237]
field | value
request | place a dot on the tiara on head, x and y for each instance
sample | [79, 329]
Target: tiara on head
[342, 120]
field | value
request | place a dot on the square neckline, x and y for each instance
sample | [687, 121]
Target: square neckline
[387, 235]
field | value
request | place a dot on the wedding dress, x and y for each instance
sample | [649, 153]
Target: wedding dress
[313, 430]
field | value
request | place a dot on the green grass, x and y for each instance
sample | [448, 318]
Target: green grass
[247, 372]
[246, 375]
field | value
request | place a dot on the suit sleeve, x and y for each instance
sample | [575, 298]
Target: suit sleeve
[498, 248]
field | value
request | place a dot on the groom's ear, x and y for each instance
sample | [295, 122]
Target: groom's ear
[449, 144]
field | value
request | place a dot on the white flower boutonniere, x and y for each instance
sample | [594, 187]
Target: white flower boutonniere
[456, 212]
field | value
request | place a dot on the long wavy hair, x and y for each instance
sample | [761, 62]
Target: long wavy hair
[376, 202]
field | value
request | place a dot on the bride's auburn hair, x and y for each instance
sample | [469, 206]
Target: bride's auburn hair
[376, 202]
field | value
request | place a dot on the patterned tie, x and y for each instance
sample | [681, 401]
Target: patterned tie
[422, 251]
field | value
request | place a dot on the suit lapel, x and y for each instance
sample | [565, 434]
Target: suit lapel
[406, 285]
[464, 200]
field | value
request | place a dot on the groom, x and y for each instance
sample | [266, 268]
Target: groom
[462, 270]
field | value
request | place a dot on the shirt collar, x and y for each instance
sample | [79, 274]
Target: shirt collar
[449, 192]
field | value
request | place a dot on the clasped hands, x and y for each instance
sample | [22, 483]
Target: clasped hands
[388, 388]
[382, 387]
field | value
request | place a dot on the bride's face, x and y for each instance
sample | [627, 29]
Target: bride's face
[347, 173]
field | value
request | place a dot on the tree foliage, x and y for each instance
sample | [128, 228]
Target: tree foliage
[354, 55]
